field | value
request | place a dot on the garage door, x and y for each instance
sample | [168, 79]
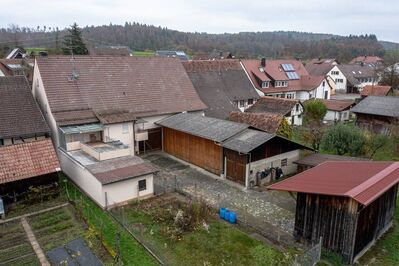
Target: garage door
[235, 166]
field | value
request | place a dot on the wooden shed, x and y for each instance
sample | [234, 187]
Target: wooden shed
[349, 204]
[197, 139]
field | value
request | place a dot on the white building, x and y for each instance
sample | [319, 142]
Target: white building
[102, 112]
[337, 111]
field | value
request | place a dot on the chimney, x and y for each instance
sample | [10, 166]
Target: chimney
[263, 62]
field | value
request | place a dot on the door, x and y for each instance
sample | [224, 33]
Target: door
[154, 141]
[235, 167]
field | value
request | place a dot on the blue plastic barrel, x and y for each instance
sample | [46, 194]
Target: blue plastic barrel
[233, 217]
[222, 212]
[226, 215]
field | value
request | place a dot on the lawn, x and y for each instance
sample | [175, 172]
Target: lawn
[220, 244]
[131, 252]
[143, 53]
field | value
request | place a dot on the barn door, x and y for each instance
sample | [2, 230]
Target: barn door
[235, 167]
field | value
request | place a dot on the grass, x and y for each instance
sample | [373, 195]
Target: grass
[143, 53]
[132, 252]
[223, 244]
[390, 152]
[35, 49]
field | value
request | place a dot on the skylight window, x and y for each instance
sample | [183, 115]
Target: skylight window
[292, 75]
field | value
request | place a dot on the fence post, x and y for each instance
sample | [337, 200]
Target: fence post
[106, 199]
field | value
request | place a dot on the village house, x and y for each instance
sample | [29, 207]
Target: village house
[291, 109]
[16, 67]
[358, 76]
[286, 79]
[228, 149]
[329, 69]
[379, 114]
[27, 155]
[364, 59]
[337, 111]
[102, 112]
[222, 85]
[16, 53]
[376, 90]
[349, 205]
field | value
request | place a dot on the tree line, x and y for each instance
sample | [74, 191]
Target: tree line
[137, 36]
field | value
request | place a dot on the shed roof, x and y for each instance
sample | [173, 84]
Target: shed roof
[269, 122]
[363, 181]
[247, 140]
[337, 105]
[319, 158]
[376, 90]
[119, 169]
[275, 105]
[378, 105]
[144, 86]
[19, 113]
[26, 160]
[205, 127]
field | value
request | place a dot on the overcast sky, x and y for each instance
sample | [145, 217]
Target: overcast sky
[341, 17]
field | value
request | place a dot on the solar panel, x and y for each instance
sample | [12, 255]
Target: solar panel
[292, 75]
[287, 67]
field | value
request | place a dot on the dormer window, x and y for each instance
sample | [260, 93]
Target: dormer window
[265, 84]
[261, 69]
[281, 83]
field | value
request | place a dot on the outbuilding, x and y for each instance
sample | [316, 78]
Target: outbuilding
[349, 204]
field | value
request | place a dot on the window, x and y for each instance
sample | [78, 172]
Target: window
[250, 101]
[326, 95]
[242, 103]
[125, 128]
[265, 84]
[281, 83]
[142, 185]
[297, 107]
[324, 83]
[290, 95]
[339, 81]
[284, 162]
[334, 72]
[235, 103]
[1, 142]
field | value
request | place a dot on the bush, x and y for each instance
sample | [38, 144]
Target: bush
[344, 140]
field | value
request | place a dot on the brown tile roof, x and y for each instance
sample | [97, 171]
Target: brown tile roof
[27, 160]
[367, 59]
[336, 105]
[212, 65]
[363, 181]
[267, 122]
[274, 105]
[376, 90]
[273, 71]
[138, 85]
[75, 117]
[20, 115]
[320, 67]
[319, 158]
[119, 169]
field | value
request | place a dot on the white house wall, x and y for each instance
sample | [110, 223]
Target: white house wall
[340, 87]
[336, 115]
[115, 132]
[126, 190]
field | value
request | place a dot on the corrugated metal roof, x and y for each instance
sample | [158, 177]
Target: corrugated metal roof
[378, 105]
[363, 181]
[205, 127]
[247, 140]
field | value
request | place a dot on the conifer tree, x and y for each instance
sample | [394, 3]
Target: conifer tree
[73, 41]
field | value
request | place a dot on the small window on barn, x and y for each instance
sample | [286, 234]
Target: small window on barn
[125, 128]
[142, 185]
[284, 162]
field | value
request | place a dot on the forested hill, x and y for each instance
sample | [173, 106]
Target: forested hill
[243, 45]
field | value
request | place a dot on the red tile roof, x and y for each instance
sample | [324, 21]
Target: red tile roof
[363, 181]
[139, 85]
[336, 105]
[276, 105]
[273, 71]
[376, 90]
[367, 59]
[268, 122]
[27, 160]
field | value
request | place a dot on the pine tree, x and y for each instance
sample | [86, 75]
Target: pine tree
[73, 41]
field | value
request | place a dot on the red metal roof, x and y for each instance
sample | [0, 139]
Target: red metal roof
[27, 160]
[364, 181]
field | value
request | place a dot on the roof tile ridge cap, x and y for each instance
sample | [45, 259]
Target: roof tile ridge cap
[372, 180]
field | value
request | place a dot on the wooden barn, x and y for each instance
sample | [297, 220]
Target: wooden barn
[228, 149]
[349, 204]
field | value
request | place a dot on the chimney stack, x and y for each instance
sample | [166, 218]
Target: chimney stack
[263, 62]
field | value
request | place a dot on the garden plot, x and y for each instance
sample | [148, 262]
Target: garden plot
[15, 248]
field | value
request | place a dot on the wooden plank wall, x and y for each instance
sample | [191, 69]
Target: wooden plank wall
[199, 151]
[235, 166]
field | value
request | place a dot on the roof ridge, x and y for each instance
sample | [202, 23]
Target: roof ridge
[372, 180]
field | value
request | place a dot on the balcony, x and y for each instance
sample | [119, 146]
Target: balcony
[104, 151]
[141, 135]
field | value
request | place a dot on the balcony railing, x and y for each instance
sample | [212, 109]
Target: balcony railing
[104, 151]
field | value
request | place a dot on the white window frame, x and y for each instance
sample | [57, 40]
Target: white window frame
[125, 128]
[265, 84]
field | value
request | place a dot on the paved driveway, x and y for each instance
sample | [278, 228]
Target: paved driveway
[270, 211]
